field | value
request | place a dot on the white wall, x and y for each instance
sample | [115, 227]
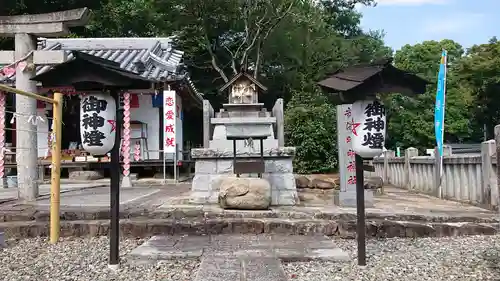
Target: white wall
[146, 113]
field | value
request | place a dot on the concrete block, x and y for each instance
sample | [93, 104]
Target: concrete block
[279, 166]
[284, 197]
[205, 167]
[281, 181]
[224, 166]
[348, 198]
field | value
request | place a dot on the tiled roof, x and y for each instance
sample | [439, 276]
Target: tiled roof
[153, 58]
[129, 59]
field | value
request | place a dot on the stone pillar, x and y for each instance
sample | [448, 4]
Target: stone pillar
[278, 112]
[385, 172]
[497, 144]
[126, 141]
[207, 114]
[489, 188]
[26, 137]
[3, 179]
[409, 153]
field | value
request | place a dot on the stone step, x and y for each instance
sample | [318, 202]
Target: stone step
[240, 269]
[25, 213]
[200, 226]
[276, 246]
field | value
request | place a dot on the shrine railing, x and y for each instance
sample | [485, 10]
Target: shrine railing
[467, 178]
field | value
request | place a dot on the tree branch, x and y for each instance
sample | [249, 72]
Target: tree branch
[254, 39]
[233, 60]
[208, 46]
[257, 60]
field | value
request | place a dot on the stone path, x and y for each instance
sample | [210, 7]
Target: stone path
[239, 257]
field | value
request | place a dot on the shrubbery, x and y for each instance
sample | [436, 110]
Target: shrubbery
[310, 126]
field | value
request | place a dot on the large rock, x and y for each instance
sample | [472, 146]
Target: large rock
[319, 181]
[373, 183]
[302, 181]
[244, 193]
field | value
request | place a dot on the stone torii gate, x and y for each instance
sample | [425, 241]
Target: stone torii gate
[25, 29]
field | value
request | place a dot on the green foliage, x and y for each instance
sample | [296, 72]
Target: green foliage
[411, 120]
[310, 129]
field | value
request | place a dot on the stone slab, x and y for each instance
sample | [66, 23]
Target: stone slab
[262, 269]
[286, 247]
[44, 189]
[99, 197]
[169, 247]
[219, 269]
[240, 269]
[348, 199]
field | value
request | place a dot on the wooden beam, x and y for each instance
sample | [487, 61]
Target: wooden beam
[26, 94]
[54, 29]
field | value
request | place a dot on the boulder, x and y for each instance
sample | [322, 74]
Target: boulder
[85, 175]
[373, 183]
[244, 193]
[325, 181]
[302, 181]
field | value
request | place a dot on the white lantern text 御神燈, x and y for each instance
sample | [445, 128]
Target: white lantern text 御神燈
[368, 128]
[97, 123]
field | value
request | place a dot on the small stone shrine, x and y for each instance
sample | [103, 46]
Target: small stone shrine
[243, 140]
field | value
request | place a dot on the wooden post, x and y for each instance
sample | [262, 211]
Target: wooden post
[55, 184]
[385, 176]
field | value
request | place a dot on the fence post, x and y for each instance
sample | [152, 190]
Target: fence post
[385, 171]
[497, 144]
[489, 190]
[409, 153]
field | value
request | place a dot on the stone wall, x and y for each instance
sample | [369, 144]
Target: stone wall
[468, 178]
[279, 173]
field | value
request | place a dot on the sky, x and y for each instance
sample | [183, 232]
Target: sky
[404, 22]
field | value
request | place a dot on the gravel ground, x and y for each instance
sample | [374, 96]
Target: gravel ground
[83, 259]
[454, 258]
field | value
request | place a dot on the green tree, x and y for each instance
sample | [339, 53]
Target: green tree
[411, 120]
[479, 74]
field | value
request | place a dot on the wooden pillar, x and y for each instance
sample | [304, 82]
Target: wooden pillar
[126, 182]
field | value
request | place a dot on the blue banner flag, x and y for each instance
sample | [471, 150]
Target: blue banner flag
[440, 104]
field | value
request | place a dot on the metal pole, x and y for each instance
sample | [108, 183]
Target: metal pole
[114, 231]
[55, 186]
[360, 208]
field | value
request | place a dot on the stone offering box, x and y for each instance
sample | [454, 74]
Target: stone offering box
[243, 125]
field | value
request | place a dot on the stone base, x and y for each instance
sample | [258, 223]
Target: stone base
[348, 198]
[279, 173]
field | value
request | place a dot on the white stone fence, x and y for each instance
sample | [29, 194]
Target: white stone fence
[468, 178]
